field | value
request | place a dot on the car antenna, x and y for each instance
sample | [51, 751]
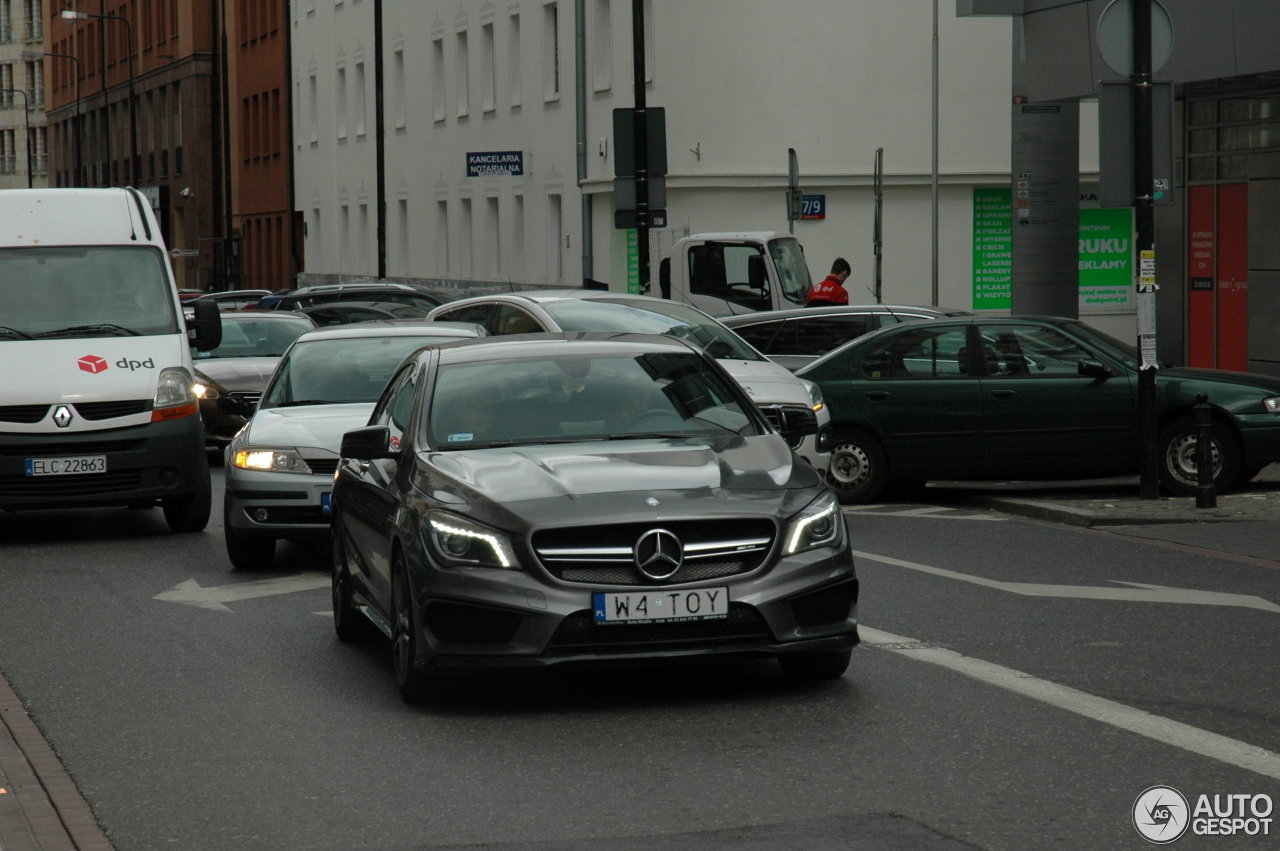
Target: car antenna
[885, 306]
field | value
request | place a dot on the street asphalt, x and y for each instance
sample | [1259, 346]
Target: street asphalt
[991, 706]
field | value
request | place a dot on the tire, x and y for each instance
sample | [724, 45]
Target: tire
[859, 467]
[414, 684]
[245, 552]
[1178, 457]
[190, 512]
[816, 665]
[348, 623]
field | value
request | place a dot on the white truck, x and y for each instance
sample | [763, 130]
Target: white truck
[97, 403]
[725, 274]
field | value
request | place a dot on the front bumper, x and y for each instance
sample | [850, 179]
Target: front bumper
[144, 463]
[293, 504]
[489, 618]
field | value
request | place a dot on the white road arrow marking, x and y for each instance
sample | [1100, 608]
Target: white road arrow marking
[1138, 593]
[191, 594]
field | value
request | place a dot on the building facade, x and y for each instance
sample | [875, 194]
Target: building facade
[24, 141]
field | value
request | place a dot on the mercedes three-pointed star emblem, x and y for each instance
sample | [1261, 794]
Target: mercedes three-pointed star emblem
[63, 416]
[658, 554]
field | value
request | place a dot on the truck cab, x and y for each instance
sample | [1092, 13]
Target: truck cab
[97, 404]
[726, 274]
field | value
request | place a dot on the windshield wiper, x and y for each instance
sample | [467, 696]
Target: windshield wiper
[14, 332]
[104, 328]
[299, 402]
[650, 435]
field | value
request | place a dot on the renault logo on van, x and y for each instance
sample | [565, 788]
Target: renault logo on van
[63, 416]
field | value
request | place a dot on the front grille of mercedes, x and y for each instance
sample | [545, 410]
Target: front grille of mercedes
[742, 623]
[604, 555]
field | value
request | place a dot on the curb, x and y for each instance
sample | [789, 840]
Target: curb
[44, 811]
[1066, 515]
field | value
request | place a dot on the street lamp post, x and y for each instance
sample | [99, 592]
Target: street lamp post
[135, 161]
[78, 121]
[26, 113]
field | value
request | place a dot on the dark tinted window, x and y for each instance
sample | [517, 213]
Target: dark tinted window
[1031, 350]
[513, 320]
[919, 353]
[328, 316]
[477, 313]
[817, 335]
[765, 335]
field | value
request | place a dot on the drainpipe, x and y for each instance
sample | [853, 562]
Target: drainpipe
[380, 140]
[580, 26]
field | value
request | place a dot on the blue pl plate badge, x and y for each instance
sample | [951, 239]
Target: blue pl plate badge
[326, 502]
[599, 606]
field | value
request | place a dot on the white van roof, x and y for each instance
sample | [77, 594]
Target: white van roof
[32, 217]
[761, 235]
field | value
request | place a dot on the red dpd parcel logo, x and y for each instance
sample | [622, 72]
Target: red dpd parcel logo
[92, 363]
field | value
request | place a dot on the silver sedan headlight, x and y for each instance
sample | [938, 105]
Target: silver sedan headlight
[819, 525]
[270, 461]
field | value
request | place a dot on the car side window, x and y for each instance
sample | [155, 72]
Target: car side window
[919, 353]
[817, 335]
[720, 270]
[396, 406]
[1031, 350]
[328, 316]
[513, 320]
[477, 313]
[765, 336]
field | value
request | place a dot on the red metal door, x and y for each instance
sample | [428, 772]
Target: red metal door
[1218, 262]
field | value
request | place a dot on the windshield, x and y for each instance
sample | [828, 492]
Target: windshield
[574, 398]
[637, 316]
[84, 292]
[348, 369]
[257, 336]
[1123, 352]
[793, 272]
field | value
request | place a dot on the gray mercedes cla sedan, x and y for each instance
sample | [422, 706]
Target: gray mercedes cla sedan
[544, 499]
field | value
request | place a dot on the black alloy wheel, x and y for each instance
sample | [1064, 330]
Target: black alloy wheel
[859, 467]
[246, 552]
[1178, 463]
[414, 683]
[348, 623]
[190, 512]
[815, 665]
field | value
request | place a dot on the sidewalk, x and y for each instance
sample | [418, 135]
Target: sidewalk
[40, 807]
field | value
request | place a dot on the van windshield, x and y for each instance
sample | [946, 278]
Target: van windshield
[84, 292]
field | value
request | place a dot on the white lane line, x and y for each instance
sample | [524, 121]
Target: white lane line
[1164, 730]
[1139, 593]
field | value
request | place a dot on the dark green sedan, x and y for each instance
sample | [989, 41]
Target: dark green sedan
[1025, 397]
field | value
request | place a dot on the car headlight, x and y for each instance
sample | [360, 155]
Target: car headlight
[270, 460]
[1272, 405]
[815, 396]
[819, 525]
[458, 542]
[206, 391]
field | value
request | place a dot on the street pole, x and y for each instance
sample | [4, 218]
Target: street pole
[641, 143]
[1144, 181]
[26, 113]
[934, 210]
[878, 236]
[380, 139]
[135, 162]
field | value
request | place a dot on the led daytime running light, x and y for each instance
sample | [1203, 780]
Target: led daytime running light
[804, 524]
[491, 540]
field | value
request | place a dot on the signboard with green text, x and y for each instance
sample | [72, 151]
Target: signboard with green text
[1105, 263]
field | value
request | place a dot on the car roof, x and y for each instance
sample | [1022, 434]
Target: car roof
[835, 310]
[551, 295]
[263, 314]
[394, 328]
[343, 305]
[365, 285]
[551, 345]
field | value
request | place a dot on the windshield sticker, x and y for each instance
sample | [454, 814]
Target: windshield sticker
[459, 438]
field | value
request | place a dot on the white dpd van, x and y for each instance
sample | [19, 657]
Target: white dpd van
[97, 406]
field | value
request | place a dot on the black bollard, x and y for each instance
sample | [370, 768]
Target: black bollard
[1206, 493]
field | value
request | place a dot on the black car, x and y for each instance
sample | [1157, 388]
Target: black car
[543, 499]
[348, 312]
[796, 338]
[328, 294]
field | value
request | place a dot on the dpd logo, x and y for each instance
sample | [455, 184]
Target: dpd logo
[1161, 815]
[92, 363]
[131, 365]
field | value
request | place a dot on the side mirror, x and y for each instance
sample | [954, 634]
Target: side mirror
[757, 276]
[205, 330]
[237, 406]
[1094, 369]
[368, 444]
[793, 422]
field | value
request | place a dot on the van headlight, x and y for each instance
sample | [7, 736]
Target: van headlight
[819, 525]
[270, 461]
[175, 395]
[459, 542]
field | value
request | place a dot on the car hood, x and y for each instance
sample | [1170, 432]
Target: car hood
[591, 469]
[238, 374]
[1245, 379]
[319, 426]
[768, 383]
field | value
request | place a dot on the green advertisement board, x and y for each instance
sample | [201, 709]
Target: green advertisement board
[633, 262]
[1105, 263]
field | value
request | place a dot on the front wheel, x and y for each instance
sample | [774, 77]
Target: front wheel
[190, 512]
[859, 467]
[815, 665]
[1178, 462]
[413, 682]
[348, 623]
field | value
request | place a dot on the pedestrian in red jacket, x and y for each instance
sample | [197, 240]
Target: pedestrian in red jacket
[830, 290]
